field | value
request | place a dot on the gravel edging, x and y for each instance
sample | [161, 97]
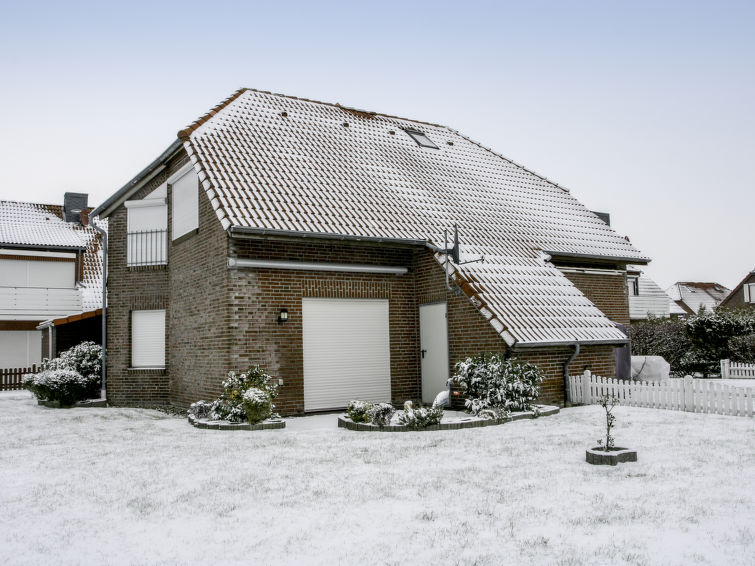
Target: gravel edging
[474, 422]
[225, 425]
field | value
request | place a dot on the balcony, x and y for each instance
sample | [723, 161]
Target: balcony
[148, 247]
[38, 303]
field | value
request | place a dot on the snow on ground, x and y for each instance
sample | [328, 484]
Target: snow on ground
[134, 486]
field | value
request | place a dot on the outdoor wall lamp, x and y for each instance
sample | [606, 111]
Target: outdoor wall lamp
[283, 316]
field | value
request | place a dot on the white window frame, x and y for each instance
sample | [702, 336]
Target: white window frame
[148, 339]
[184, 195]
[749, 292]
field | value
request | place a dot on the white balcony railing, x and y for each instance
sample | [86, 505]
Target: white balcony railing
[148, 247]
[30, 303]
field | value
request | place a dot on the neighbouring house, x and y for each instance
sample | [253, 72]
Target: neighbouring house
[50, 268]
[743, 295]
[690, 296]
[647, 299]
[309, 238]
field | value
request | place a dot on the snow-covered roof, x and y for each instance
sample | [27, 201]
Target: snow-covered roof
[278, 163]
[42, 226]
[690, 296]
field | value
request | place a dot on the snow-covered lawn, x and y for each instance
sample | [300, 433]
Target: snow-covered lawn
[128, 486]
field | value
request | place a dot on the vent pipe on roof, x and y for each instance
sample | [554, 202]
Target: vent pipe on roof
[73, 204]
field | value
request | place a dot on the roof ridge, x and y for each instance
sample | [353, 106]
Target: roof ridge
[187, 131]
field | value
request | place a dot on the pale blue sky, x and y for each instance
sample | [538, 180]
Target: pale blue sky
[644, 110]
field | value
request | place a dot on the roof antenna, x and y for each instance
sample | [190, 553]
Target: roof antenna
[453, 253]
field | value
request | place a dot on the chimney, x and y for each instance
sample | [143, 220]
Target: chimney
[604, 216]
[73, 204]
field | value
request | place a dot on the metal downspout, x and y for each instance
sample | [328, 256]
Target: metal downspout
[104, 308]
[566, 372]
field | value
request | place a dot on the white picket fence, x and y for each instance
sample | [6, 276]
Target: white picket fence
[733, 370]
[682, 394]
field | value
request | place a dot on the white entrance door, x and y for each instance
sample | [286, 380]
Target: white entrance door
[433, 339]
[346, 352]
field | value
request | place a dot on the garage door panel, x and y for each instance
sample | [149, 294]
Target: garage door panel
[346, 352]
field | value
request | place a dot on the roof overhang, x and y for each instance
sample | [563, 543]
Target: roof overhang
[530, 345]
[142, 178]
[249, 232]
[67, 319]
[41, 247]
[593, 257]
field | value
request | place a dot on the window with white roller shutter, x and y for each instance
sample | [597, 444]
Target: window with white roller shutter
[148, 339]
[185, 201]
[147, 229]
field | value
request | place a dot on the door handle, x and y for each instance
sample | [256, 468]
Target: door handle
[423, 353]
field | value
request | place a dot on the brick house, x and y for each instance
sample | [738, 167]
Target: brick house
[309, 238]
[50, 275]
[743, 295]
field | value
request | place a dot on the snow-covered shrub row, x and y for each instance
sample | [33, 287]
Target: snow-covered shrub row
[358, 411]
[381, 414]
[73, 376]
[232, 404]
[421, 417]
[66, 386]
[493, 381]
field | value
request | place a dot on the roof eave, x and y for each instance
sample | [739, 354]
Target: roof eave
[41, 246]
[530, 345]
[621, 259]
[137, 182]
[252, 231]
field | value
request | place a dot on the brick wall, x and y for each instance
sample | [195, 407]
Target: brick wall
[598, 359]
[606, 291]
[257, 295]
[133, 288]
[199, 309]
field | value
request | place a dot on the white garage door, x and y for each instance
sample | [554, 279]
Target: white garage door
[346, 352]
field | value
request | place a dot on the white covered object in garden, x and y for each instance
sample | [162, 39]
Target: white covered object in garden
[650, 368]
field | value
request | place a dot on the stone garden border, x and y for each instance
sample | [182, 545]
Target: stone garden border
[85, 403]
[225, 425]
[473, 422]
[599, 457]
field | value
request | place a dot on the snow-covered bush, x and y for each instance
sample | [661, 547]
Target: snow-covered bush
[381, 414]
[201, 409]
[257, 405]
[66, 386]
[73, 376]
[230, 405]
[742, 349]
[421, 417]
[85, 358]
[358, 411]
[493, 381]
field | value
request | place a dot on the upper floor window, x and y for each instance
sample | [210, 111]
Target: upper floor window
[749, 291]
[634, 285]
[185, 201]
[147, 239]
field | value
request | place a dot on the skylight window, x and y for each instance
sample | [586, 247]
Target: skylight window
[421, 139]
